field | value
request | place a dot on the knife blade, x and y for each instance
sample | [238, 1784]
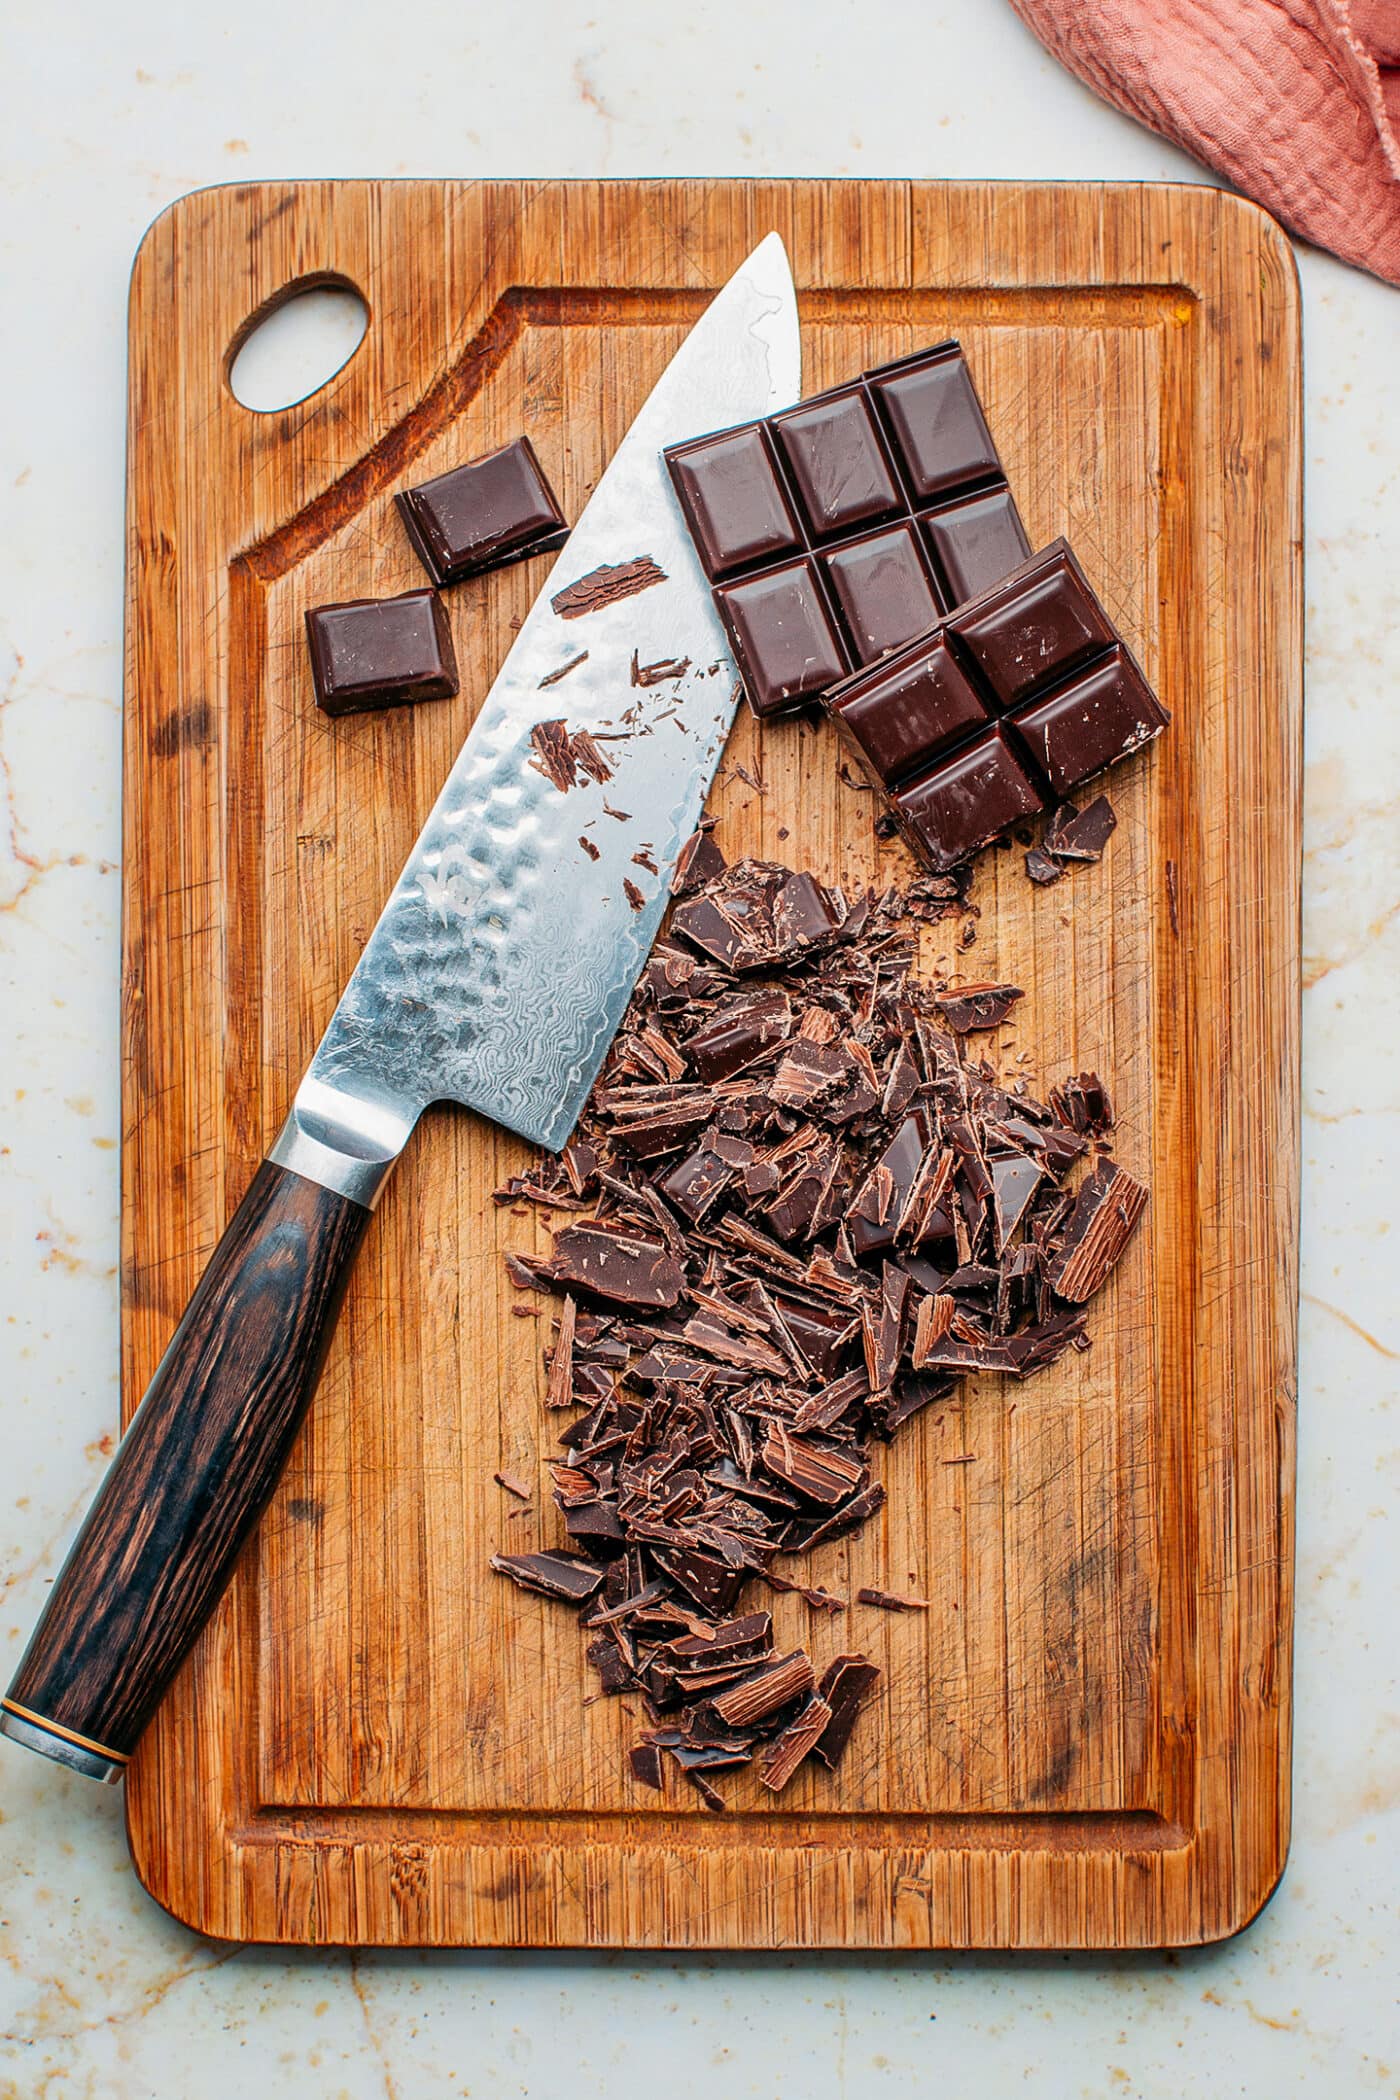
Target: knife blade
[495, 977]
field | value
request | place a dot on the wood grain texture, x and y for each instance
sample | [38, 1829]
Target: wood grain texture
[1086, 1741]
[196, 1468]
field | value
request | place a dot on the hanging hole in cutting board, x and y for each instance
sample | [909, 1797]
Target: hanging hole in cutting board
[296, 343]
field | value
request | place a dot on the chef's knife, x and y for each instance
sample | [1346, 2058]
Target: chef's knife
[496, 976]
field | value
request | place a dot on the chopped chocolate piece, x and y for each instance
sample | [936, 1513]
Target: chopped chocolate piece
[699, 860]
[817, 1471]
[891, 1600]
[1083, 1104]
[712, 1800]
[1041, 868]
[738, 1033]
[1105, 1213]
[554, 751]
[972, 1007]
[624, 1267]
[1081, 834]
[1015, 1180]
[635, 897]
[512, 1486]
[661, 672]
[849, 1517]
[842, 527]
[589, 848]
[768, 1690]
[797, 1741]
[371, 653]
[493, 510]
[846, 1684]
[562, 1575]
[606, 586]
[645, 1760]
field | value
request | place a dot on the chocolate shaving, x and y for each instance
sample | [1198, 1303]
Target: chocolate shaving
[973, 1007]
[892, 1600]
[606, 586]
[658, 673]
[553, 677]
[804, 1209]
[635, 897]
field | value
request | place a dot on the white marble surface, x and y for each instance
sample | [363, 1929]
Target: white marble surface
[106, 114]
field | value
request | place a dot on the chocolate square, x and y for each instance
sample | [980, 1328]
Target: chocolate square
[493, 510]
[381, 652]
[783, 638]
[1105, 713]
[733, 500]
[837, 463]
[902, 713]
[1037, 625]
[974, 542]
[966, 801]
[883, 589]
[936, 419]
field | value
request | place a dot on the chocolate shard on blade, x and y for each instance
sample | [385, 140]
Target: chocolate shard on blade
[842, 527]
[972, 1007]
[1106, 1211]
[370, 653]
[493, 510]
[612, 1263]
[606, 586]
[562, 1575]
[846, 1684]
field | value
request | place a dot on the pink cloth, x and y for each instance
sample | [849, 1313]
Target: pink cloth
[1297, 102]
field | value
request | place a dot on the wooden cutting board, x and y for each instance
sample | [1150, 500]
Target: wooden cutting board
[1086, 1741]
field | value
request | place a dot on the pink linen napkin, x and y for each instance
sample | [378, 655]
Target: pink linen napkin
[1297, 102]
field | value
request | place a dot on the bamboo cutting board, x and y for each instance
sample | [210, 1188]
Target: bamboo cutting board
[1086, 1741]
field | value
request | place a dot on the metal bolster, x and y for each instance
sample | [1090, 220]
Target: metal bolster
[342, 1143]
[64, 1748]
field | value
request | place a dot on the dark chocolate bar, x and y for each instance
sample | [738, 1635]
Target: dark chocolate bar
[380, 652]
[493, 510]
[1000, 710]
[845, 526]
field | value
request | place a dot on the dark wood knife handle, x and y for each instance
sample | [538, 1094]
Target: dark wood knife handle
[195, 1470]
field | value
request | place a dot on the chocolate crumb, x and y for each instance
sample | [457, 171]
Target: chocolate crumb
[589, 848]
[512, 1486]
[892, 1600]
[633, 895]
[659, 673]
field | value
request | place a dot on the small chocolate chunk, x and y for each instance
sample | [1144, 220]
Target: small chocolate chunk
[562, 1575]
[1106, 1211]
[974, 1007]
[797, 1741]
[1081, 834]
[372, 653]
[645, 1761]
[846, 1684]
[494, 510]
[610, 1262]
[738, 1033]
